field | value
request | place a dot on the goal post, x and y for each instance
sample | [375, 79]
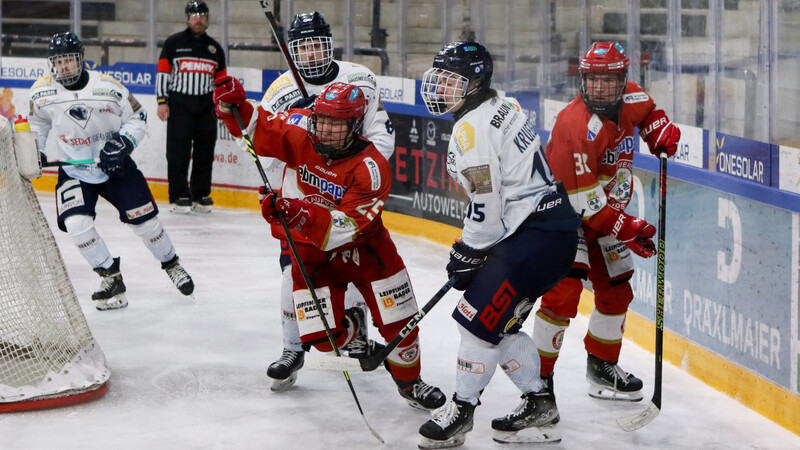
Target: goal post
[48, 357]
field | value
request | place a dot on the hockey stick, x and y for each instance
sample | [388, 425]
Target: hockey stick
[372, 362]
[642, 418]
[279, 39]
[301, 266]
[74, 162]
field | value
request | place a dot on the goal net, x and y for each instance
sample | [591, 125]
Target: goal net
[48, 357]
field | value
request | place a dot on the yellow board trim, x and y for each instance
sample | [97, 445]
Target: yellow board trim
[758, 394]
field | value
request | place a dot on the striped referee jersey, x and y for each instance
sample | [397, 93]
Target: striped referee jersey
[188, 65]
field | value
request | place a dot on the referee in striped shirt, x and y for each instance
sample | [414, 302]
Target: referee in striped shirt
[187, 67]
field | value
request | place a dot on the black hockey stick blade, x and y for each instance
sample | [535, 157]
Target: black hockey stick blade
[372, 362]
[642, 418]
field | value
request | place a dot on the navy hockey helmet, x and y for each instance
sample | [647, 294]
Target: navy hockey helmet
[65, 57]
[459, 69]
[310, 44]
[196, 7]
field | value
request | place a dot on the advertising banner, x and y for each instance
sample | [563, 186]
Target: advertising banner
[743, 158]
[728, 274]
[421, 187]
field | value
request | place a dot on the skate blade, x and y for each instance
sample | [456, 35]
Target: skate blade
[454, 441]
[118, 301]
[533, 435]
[285, 384]
[329, 361]
[602, 392]
[201, 209]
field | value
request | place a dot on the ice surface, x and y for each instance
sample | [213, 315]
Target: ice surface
[190, 373]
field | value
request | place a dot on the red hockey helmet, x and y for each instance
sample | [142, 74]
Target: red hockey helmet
[336, 119]
[604, 70]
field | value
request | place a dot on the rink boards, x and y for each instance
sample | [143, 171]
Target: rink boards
[731, 300]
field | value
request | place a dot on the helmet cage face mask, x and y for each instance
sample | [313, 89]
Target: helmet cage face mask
[336, 120]
[312, 55]
[70, 74]
[66, 58]
[338, 133]
[604, 70]
[443, 90]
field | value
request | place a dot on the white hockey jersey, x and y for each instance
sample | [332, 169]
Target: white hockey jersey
[497, 157]
[85, 119]
[377, 127]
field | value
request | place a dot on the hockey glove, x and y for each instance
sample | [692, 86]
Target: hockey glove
[465, 262]
[636, 234]
[230, 92]
[267, 199]
[297, 212]
[304, 103]
[660, 133]
[113, 155]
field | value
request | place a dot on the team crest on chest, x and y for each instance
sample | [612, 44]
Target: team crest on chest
[79, 114]
[593, 201]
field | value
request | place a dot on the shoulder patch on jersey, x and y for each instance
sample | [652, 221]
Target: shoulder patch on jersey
[298, 120]
[111, 79]
[134, 103]
[44, 81]
[594, 127]
[480, 178]
[465, 137]
[276, 85]
[635, 97]
[374, 173]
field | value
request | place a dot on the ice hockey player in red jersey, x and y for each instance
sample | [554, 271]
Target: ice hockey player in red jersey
[333, 207]
[591, 151]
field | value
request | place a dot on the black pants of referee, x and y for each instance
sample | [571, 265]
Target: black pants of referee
[191, 125]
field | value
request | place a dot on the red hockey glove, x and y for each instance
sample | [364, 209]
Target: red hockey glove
[297, 212]
[636, 234]
[230, 92]
[660, 133]
[267, 199]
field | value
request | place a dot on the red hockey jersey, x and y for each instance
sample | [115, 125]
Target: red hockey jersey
[593, 156]
[348, 194]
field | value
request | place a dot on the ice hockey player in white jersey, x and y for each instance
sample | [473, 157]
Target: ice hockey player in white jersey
[311, 49]
[93, 116]
[518, 241]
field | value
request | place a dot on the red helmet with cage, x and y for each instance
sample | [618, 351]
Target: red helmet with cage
[336, 119]
[604, 70]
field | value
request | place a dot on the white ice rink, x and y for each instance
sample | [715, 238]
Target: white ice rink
[190, 374]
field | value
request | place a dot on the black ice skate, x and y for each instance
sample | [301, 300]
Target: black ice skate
[358, 347]
[203, 205]
[182, 205]
[178, 275]
[533, 421]
[607, 381]
[112, 290]
[420, 394]
[284, 371]
[449, 426]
